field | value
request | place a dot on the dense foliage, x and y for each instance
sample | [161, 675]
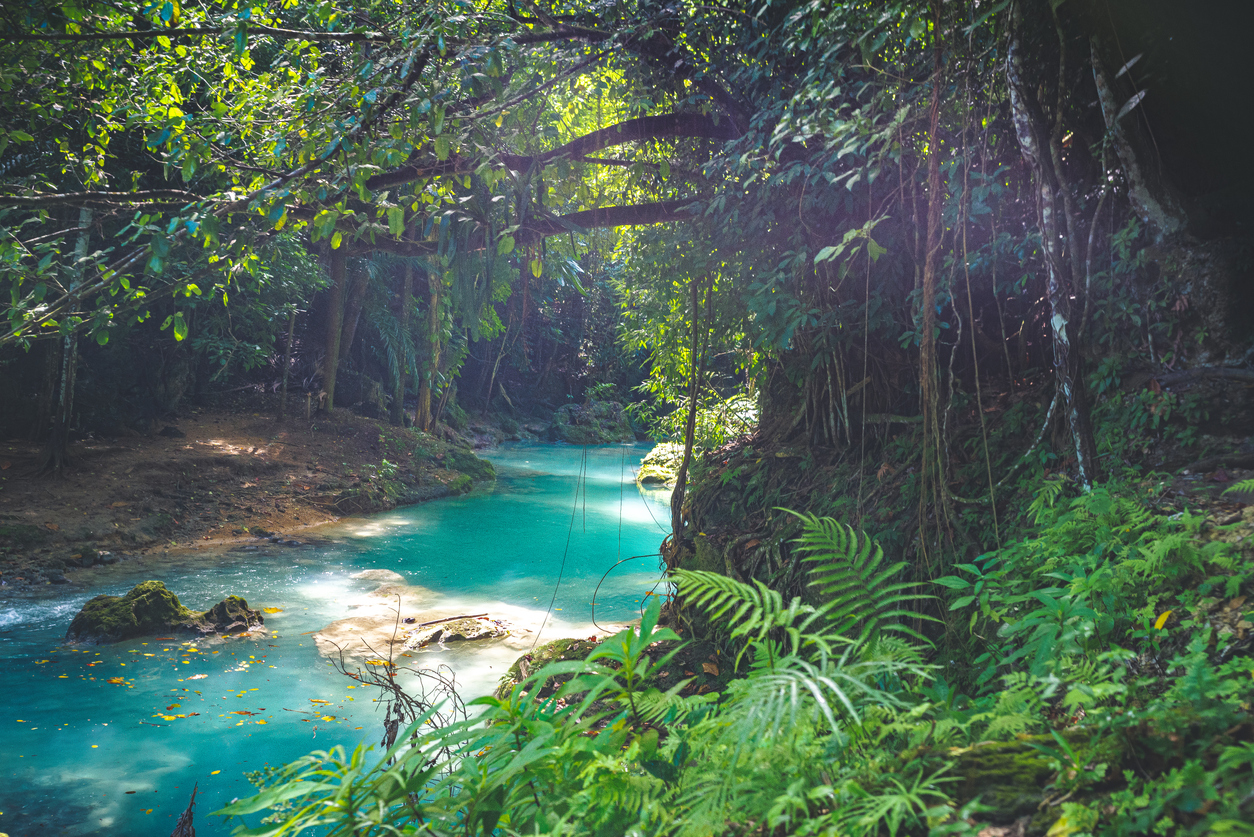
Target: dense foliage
[947, 274]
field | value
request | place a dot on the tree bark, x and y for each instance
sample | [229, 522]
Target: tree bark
[1033, 140]
[1153, 199]
[698, 367]
[56, 453]
[424, 418]
[335, 321]
[352, 308]
[287, 364]
[398, 383]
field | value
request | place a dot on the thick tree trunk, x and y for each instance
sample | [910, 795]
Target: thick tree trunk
[335, 321]
[424, 418]
[398, 382]
[1033, 143]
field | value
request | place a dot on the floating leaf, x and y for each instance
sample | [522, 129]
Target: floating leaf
[372, 663]
[198, 677]
[117, 681]
[272, 610]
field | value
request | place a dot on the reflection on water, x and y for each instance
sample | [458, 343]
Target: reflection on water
[110, 740]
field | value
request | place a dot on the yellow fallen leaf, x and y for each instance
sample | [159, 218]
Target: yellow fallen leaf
[272, 610]
[318, 700]
[328, 717]
[1162, 619]
[52, 527]
[214, 772]
[377, 662]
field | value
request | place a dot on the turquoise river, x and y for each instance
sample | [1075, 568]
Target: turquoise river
[109, 740]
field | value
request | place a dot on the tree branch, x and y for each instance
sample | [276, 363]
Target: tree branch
[148, 34]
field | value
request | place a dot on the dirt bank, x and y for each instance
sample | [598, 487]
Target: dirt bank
[212, 477]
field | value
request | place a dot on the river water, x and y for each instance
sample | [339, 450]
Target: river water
[109, 740]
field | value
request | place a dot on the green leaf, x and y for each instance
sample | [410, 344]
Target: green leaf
[537, 267]
[441, 148]
[396, 220]
[664, 168]
[336, 239]
[505, 245]
[180, 328]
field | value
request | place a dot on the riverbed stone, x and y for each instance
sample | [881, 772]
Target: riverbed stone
[458, 630]
[151, 608]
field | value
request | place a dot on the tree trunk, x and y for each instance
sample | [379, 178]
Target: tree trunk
[352, 308]
[932, 470]
[681, 478]
[56, 454]
[1153, 199]
[48, 391]
[398, 382]
[287, 364]
[335, 321]
[1033, 139]
[424, 419]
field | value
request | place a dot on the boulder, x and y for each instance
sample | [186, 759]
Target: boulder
[594, 423]
[150, 608]
[661, 465]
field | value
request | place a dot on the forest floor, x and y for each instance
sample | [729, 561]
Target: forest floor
[215, 477]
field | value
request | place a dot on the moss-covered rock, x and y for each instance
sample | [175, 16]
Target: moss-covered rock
[150, 608]
[1008, 776]
[661, 465]
[594, 423]
[528, 664]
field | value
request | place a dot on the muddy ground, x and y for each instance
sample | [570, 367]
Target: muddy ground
[212, 477]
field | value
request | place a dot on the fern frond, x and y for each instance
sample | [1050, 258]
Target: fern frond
[746, 610]
[1242, 487]
[850, 574]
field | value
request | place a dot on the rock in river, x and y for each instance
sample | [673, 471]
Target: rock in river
[150, 608]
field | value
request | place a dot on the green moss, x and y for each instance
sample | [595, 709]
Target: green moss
[596, 423]
[661, 465]
[469, 464]
[706, 558]
[558, 649]
[21, 535]
[147, 609]
[461, 484]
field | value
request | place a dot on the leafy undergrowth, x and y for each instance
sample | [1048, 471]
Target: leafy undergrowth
[1093, 678]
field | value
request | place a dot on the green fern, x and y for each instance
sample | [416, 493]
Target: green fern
[752, 610]
[1242, 487]
[850, 575]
